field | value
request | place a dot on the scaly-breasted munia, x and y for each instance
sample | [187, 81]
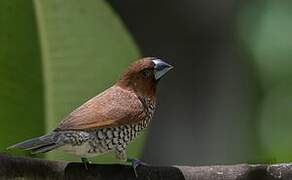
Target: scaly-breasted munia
[110, 120]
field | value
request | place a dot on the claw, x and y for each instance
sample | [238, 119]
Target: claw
[135, 163]
[86, 162]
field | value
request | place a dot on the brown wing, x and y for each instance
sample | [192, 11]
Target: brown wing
[113, 107]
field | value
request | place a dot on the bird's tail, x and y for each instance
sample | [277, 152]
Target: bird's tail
[40, 144]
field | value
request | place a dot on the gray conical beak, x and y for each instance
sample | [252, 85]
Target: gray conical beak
[161, 68]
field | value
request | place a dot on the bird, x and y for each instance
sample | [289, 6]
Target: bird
[109, 121]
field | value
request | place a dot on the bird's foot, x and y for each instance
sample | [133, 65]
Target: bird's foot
[86, 162]
[135, 163]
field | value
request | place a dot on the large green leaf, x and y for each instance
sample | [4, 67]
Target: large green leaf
[21, 90]
[79, 49]
[84, 49]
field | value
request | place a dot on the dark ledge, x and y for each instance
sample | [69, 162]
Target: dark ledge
[27, 168]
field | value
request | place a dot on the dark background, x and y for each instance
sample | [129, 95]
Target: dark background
[208, 109]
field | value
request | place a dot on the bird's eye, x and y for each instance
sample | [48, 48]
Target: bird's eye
[146, 73]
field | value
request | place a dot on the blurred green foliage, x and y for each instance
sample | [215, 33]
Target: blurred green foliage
[266, 29]
[54, 56]
[21, 93]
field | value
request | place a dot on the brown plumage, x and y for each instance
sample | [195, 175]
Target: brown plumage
[110, 120]
[117, 105]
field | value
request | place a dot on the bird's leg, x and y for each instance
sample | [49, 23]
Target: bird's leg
[121, 155]
[135, 163]
[86, 162]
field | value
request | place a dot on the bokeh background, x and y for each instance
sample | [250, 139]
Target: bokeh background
[228, 100]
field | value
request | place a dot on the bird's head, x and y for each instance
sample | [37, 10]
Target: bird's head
[143, 75]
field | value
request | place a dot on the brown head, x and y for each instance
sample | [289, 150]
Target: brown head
[143, 75]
